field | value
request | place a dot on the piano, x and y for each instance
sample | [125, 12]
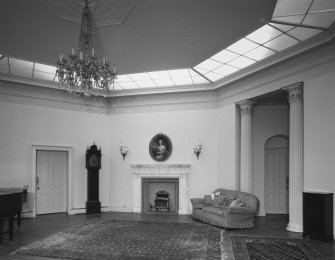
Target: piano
[11, 200]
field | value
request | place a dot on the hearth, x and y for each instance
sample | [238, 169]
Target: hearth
[160, 195]
[178, 172]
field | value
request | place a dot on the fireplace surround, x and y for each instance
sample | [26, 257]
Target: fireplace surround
[179, 171]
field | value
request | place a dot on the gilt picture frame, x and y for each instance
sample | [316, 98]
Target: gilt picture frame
[160, 147]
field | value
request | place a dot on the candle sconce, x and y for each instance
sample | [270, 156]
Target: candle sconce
[123, 150]
[197, 149]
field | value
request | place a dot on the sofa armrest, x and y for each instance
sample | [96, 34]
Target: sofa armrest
[242, 210]
[197, 203]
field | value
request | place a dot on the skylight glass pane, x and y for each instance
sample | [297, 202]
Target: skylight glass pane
[208, 65]
[21, 64]
[139, 76]
[224, 56]
[302, 33]
[282, 27]
[263, 34]
[164, 82]
[4, 69]
[241, 62]
[158, 75]
[123, 78]
[44, 76]
[183, 81]
[320, 19]
[214, 76]
[146, 83]
[321, 6]
[281, 43]
[128, 85]
[259, 53]
[45, 68]
[21, 72]
[289, 7]
[295, 19]
[242, 46]
[116, 87]
[4, 61]
[199, 80]
[193, 73]
[225, 70]
[201, 71]
[179, 73]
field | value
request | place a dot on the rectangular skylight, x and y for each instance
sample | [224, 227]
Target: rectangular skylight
[322, 6]
[303, 33]
[18, 71]
[45, 68]
[242, 46]
[241, 62]
[213, 76]
[181, 73]
[224, 56]
[225, 70]
[159, 74]
[291, 7]
[22, 64]
[139, 76]
[281, 43]
[164, 82]
[199, 80]
[146, 83]
[182, 81]
[208, 65]
[259, 53]
[123, 78]
[264, 34]
[282, 27]
[128, 85]
[324, 19]
[43, 75]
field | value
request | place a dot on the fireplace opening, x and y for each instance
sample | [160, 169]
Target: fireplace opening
[160, 195]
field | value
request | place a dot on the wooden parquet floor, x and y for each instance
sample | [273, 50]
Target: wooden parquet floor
[33, 230]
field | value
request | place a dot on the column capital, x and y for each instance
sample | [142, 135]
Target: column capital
[246, 106]
[295, 92]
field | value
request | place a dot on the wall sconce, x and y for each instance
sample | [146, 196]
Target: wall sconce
[197, 149]
[123, 150]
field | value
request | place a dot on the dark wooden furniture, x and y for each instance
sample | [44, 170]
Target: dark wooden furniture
[318, 215]
[162, 201]
[11, 200]
[93, 165]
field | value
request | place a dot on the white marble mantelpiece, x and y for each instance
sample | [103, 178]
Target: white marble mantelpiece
[180, 171]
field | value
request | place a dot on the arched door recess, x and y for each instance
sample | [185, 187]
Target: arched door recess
[276, 175]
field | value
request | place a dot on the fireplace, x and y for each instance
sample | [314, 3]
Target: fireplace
[160, 195]
[165, 174]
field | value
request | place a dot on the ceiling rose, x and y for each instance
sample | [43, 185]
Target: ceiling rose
[104, 12]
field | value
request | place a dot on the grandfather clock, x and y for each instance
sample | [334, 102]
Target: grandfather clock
[93, 165]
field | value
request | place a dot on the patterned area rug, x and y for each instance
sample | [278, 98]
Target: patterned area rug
[130, 240]
[265, 248]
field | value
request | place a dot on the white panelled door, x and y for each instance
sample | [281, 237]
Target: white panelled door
[276, 181]
[51, 181]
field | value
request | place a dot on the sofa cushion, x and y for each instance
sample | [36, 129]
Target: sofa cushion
[221, 211]
[213, 194]
[208, 200]
[222, 200]
[237, 203]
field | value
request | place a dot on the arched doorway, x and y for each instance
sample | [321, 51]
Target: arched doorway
[276, 175]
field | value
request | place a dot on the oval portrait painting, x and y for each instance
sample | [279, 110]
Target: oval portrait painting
[160, 147]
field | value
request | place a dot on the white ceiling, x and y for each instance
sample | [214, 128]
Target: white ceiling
[159, 43]
[155, 35]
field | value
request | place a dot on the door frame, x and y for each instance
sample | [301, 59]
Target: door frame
[69, 150]
[286, 146]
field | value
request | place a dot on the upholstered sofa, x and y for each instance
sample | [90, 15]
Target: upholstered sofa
[226, 208]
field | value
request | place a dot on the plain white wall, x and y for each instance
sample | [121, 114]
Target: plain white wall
[24, 125]
[184, 128]
[319, 130]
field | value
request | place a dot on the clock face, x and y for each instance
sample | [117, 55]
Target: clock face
[93, 161]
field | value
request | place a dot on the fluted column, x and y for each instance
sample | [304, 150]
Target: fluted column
[246, 145]
[296, 159]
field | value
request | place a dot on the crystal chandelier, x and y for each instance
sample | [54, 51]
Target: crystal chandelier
[81, 73]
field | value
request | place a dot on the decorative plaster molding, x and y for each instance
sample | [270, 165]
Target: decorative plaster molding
[295, 92]
[105, 13]
[246, 107]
